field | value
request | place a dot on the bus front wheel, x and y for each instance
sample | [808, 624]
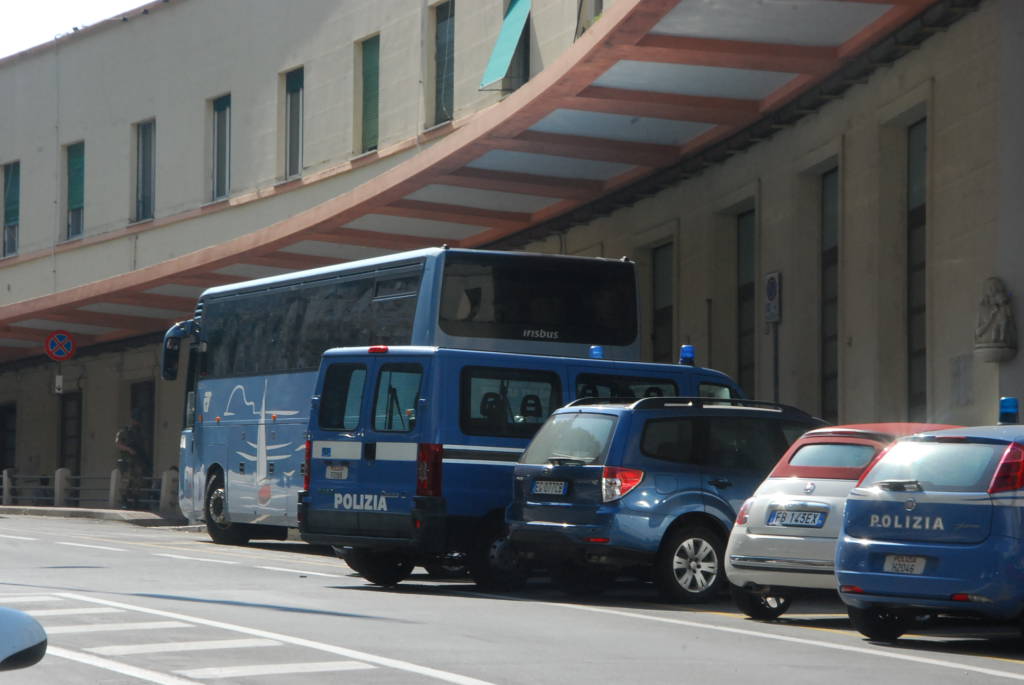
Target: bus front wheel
[221, 530]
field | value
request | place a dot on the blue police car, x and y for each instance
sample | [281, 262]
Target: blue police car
[936, 527]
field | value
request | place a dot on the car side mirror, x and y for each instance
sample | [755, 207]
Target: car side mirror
[22, 640]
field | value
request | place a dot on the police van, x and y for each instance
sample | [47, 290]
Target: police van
[410, 452]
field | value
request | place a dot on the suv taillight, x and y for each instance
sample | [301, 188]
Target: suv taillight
[1010, 474]
[743, 515]
[429, 458]
[617, 481]
[307, 465]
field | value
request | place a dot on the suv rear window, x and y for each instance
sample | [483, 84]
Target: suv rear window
[581, 438]
[939, 466]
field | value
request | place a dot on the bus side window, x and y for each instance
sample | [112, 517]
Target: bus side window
[398, 388]
[342, 396]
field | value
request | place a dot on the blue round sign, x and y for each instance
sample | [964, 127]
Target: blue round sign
[60, 346]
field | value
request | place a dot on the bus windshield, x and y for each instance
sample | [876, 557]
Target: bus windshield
[535, 297]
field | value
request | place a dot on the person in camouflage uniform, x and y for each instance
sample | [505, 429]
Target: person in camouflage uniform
[131, 446]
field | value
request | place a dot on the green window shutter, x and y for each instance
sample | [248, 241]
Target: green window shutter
[222, 103]
[371, 93]
[12, 193]
[508, 39]
[76, 176]
[294, 80]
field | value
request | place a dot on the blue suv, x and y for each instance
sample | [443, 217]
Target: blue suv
[936, 527]
[610, 485]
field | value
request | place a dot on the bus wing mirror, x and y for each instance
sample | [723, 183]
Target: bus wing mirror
[22, 640]
[171, 352]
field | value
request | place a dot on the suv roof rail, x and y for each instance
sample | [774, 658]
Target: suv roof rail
[695, 402]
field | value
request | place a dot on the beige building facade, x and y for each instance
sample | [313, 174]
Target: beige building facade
[880, 213]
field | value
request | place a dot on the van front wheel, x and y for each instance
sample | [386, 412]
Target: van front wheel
[494, 565]
[380, 568]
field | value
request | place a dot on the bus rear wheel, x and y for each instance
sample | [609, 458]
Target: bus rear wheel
[221, 530]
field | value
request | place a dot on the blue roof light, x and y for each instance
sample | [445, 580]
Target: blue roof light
[687, 355]
[1009, 410]
[596, 352]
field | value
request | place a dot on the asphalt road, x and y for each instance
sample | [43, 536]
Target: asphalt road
[123, 604]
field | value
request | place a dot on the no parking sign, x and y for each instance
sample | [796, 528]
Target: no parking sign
[60, 346]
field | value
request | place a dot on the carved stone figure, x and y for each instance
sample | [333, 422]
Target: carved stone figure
[995, 336]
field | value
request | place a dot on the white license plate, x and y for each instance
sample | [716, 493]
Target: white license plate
[805, 519]
[336, 472]
[549, 487]
[901, 563]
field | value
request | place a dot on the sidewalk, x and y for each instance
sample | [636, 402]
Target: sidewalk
[138, 518]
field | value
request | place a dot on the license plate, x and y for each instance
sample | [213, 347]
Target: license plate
[901, 563]
[336, 472]
[804, 519]
[549, 487]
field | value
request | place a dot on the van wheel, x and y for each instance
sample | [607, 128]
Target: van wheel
[447, 566]
[878, 623]
[380, 568]
[221, 530]
[494, 564]
[760, 605]
[581, 580]
[689, 566]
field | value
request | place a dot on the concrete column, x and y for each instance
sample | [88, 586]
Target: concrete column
[169, 492]
[8, 485]
[61, 487]
[114, 497]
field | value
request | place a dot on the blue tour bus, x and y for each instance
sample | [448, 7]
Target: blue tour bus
[412, 450]
[255, 347]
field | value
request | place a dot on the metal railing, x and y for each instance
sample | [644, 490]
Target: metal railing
[96, 491]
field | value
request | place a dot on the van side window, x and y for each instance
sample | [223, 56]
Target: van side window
[608, 385]
[669, 439]
[342, 396]
[504, 402]
[398, 388]
[715, 390]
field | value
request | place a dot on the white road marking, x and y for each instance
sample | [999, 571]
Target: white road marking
[16, 537]
[295, 570]
[198, 646]
[182, 556]
[274, 669]
[79, 544]
[871, 653]
[114, 627]
[396, 664]
[25, 599]
[124, 669]
[42, 613]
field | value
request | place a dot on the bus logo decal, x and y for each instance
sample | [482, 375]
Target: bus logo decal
[360, 502]
[540, 334]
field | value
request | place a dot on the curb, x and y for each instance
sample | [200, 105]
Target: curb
[137, 518]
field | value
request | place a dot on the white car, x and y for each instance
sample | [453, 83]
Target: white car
[784, 538]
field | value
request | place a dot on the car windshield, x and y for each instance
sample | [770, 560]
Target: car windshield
[578, 438]
[939, 466]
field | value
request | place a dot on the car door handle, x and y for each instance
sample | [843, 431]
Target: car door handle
[720, 482]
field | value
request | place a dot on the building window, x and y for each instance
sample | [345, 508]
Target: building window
[444, 61]
[746, 321]
[8, 437]
[371, 94]
[71, 432]
[221, 147]
[830, 296]
[662, 297]
[917, 357]
[12, 207]
[293, 86]
[75, 164]
[145, 169]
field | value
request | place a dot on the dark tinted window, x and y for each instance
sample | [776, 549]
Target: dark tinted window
[606, 385]
[506, 402]
[670, 439]
[751, 444]
[287, 328]
[539, 298]
[398, 388]
[837, 455]
[715, 390]
[571, 438]
[945, 467]
[342, 396]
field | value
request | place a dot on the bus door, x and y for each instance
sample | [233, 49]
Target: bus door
[368, 443]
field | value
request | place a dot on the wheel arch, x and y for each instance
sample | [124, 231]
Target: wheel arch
[694, 518]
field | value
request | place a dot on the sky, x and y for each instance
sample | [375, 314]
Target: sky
[27, 23]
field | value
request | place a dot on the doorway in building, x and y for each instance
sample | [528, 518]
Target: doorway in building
[142, 406]
[8, 420]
